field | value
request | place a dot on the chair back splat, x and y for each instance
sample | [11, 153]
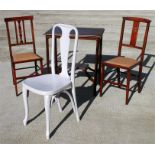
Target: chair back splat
[64, 49]
[134, 35]
[20, 31]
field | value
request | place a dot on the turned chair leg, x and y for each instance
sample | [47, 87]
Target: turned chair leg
[101, 78]
[127, 86]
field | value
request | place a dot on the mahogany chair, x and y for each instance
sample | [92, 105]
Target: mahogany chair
[126, 63]
[20, 32]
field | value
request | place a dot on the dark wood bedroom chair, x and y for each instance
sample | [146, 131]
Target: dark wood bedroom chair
[20, 32]
[126, 63]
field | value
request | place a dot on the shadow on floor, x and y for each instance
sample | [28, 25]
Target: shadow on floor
[85, 93]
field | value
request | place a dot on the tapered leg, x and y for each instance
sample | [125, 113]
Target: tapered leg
[128, 85]
[139, 78]
[118, 77]
[75, 102]
[101, 78]
[26, 107]
[47, 112]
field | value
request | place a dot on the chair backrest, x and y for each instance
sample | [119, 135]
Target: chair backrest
[64, 49]
[18, 25]
[134, 34]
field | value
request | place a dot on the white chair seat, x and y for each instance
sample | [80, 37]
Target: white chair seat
[48, 84]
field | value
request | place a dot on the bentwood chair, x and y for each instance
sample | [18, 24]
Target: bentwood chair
[20, 32]
[126, 63]
[51, 85]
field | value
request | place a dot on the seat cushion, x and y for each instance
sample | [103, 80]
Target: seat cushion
[47, 84]
[121, 62]
[25, 57]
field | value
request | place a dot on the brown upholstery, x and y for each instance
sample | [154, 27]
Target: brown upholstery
[122, 62]
[23, 57]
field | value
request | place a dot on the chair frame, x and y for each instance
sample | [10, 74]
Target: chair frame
[136, 21]
[51, 95]
[20, 36]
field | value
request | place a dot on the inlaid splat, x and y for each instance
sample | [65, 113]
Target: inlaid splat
[134, 33]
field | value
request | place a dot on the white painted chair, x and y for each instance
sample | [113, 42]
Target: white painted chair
[51, 85]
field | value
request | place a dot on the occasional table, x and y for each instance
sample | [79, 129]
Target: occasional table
[84, 34]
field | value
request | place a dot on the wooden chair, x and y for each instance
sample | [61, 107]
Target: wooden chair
[23, 30]
[127, 63]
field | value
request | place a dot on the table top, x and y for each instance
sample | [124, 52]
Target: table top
[83, 32]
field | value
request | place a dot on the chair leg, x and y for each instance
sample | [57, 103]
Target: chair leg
[26, 107]
[13, 75]
[15, 79]
[47, 112]
[55, 98]
[58, 103]
[52, 100]
[139, 78]
[101, 78]
[128, 85]
[16, 88]
[71, 99]
[118, 77]
[35, 63]
[41, 66]
[75, 102]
